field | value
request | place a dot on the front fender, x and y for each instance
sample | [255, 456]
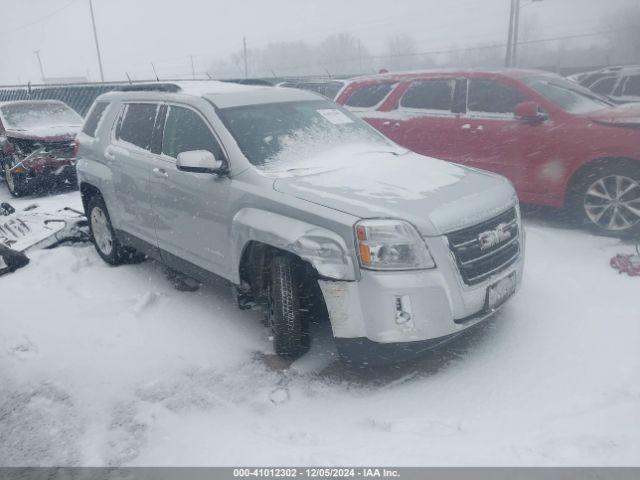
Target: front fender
[322, 248]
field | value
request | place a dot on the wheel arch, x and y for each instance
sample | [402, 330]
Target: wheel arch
[324, 250]
[87, 192]
[255, 262]
[589, 166]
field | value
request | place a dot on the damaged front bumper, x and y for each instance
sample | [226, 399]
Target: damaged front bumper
[42, 170]
[386, 317]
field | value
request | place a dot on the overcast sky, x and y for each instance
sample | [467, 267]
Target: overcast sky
[133, 33]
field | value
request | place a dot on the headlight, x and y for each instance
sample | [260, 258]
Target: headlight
[391, 245]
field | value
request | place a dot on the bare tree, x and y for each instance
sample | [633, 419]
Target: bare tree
[624, 40]
[401, 53]
[344, 54]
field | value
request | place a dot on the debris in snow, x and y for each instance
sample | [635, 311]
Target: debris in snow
[279, 395]
[11, 260]
[35, 227]
[629, 264]
[6, 209]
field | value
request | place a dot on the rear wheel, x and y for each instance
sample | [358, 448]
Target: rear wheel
[104, 239]
[285, 308]
[16, 182]
[607, 199]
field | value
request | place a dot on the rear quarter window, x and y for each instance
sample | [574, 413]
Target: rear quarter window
[93, 119]
[370, 95]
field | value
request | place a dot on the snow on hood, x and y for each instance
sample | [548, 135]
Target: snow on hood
[622, 115]
[436, 196]
[49, 132]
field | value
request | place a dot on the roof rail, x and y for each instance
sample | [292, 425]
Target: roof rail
[150, 87]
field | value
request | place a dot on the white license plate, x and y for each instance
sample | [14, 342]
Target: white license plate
[499, 292]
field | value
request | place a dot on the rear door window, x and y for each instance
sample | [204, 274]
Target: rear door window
[136, 124]
[491, 97]
[435, 94]
[370, 95]
[93, 119]
[184, 131]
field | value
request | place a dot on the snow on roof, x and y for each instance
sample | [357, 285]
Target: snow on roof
[408, 74]
[223, 94]
[259, 95]
[213, 87]
[18, 102]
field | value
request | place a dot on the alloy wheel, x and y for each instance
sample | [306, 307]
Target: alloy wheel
[613, 202]
[101, 231]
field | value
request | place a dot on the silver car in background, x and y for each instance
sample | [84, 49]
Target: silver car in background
[305, 208]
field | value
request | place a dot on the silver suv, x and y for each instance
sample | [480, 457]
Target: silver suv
[305, 209]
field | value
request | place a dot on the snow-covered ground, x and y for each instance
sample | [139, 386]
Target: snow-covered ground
[112, 366]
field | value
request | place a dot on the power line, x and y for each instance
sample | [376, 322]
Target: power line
[497, 45]
[434, 52]
[41, 19]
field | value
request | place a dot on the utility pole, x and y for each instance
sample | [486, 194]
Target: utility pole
[244, 54]
[511, 58]
[95, 38]
[516, 24]
[360, 56]
[193, 68]
[37, 54]
[507, 59]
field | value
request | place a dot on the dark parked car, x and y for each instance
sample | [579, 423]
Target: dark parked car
[37, 144]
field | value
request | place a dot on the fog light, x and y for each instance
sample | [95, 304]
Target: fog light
[403, 310]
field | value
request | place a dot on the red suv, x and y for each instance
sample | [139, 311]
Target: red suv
[559, 143]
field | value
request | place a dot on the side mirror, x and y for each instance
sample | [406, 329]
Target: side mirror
[199, 161]
[529, 112]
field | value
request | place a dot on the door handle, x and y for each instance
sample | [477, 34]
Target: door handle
[160, 172]
[108, 152]
[467, 127]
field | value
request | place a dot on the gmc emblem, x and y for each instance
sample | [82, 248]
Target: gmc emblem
[494, 237]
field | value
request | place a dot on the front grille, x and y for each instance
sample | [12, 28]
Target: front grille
[476, 264]
[59, 149]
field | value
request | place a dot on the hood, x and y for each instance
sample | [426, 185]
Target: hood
[627, 115]
[436, 196]
[53, 133]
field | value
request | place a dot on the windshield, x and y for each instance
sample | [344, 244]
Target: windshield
[279, 135]
[569, 96]
[27, 116]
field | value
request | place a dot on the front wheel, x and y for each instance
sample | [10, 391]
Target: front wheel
[16, 182]
[285, 308]
[607, 199]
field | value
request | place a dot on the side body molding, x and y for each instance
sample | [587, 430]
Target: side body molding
[322, 248]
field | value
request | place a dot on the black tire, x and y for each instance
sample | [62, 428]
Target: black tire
[111, 251]
[585, 205]
[285, 308]
[16, 183]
